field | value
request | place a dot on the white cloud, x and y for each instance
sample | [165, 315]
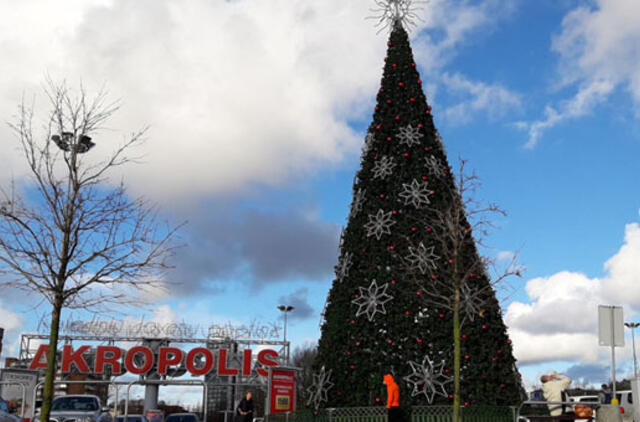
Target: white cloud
[492, 99]
[560, 323]
[235, 92]
[505, 255]
[598, 53]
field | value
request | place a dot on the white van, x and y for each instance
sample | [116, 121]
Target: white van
[625, 398]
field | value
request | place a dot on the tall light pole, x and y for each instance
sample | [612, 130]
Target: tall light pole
[285, 309]
[633, 326]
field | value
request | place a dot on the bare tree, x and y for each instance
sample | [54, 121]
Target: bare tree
[455, 237]
[71, 236]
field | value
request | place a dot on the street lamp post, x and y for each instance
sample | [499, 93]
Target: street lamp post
[633, 326]
[285, 309]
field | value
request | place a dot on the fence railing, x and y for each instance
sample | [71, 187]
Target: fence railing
[415, 414]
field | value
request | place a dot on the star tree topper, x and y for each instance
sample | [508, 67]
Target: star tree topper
[319, 390]
[372, 300]
[388, 13]
[427, 379]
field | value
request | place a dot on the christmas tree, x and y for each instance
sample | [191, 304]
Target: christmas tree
[378, 317]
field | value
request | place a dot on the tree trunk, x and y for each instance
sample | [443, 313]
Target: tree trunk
[50, 375]
[456, 357]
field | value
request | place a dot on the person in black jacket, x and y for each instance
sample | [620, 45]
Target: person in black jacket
[245, 408]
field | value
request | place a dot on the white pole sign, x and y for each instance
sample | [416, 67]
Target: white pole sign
[611, 333]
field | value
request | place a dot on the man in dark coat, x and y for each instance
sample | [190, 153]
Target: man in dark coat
[245, 408]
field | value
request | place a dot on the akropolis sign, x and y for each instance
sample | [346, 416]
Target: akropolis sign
[116, 358]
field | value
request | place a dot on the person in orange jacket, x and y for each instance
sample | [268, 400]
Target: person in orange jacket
[393, 398]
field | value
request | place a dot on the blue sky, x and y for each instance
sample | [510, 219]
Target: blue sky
[257, 114]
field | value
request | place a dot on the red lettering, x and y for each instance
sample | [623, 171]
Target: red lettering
[76, 358]
[148, 360]
[168, 356]
[190, 362]
[113, 359]
[263, 358]
[37, 363]
[246, 362]
[222, 364]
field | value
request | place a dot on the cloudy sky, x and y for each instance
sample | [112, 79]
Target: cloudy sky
[257, 111]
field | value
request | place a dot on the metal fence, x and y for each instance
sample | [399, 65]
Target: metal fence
[414, 414]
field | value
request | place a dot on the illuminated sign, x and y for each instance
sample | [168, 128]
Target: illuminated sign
[141, 360]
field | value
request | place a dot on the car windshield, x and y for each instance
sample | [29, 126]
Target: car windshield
[75, 403]
[589, 399]
[130, 418]
[181, 418]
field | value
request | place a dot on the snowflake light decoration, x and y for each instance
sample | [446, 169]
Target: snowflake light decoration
[471, 301]
[383, 167]
[358, 201]
[409, 135]
[390, 12]
[415, 193]
[345, 263]
[427, 379]
[379, 224]
[434, 166]
[318, 391]
[422, 258]
[371, 300]
[368, 142]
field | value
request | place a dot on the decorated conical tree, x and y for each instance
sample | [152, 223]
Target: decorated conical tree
[382, 313]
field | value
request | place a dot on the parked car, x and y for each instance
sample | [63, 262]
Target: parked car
[6, 413]
[182, 417]
[131, 418]
[625, 398]
[78, 407]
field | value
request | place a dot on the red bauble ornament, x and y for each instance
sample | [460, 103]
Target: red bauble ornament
[393, 282]
[419, 82]
[450, 396]
[378, 127]
[428, 109]
[419, 340]
[377, 108]
[389, 341]
[413, 100]
[381, 90]
[394, 212]
[509, 341]
[441, 316]
[467, 403]
[389, 138]
[494, 359]
[352, 322]
[467, 357]
[407, 313]
[352, 366]
[389, 43]
[419, 293]
[502, 385]
[485, 326]
[394, 65]
[424, 178]
[382, 196]
[464, 335]
[413, 65]
[447, 370]
[389, 101]
[499, 351]
[429, 229]
[413, 229]
[451, 261]
[420, 125]
[433, 276]
[397, 118]
[391, 248]
[405, 155]
[400, 84]
[357, 343]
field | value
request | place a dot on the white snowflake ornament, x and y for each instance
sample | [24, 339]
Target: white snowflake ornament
[427, 379]
[409, 135]
[379, 224]
[383, 167]
[368, 143]
[371, 300]
[318, 392]
[415, 193]
[471, 301]
[342, 270]
[358, 201]
[422, 258]
[434, 166]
